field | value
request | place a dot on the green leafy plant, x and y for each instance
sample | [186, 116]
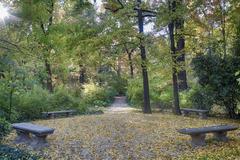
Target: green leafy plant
[9, 153]
[4, 128]
[218, 83]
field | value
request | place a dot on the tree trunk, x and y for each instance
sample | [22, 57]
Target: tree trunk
[230, 107]
[182, 74]
[10, 103]
[82, 74]
[223, 24]
[146, 104]
[176, 107]
[130, 62]
[49, 75]
[119, 67]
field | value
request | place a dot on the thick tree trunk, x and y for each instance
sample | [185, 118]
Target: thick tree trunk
[49, 75]
[82, 74]
[182, 74]
[176, 107]
[146, 105]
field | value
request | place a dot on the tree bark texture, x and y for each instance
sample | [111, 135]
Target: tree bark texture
[176, 107]
[182, 74]
[146, 98]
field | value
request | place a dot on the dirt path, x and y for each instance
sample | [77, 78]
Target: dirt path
[119, 105]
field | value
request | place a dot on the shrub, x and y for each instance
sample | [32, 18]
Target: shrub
[201, 97]
[63, 99]
[4, 128]
[119, 85]
[160, 93]
[9, 153]
[135, 92]
[5, 110]
[95, 95]
[34, 101]
[218, 81]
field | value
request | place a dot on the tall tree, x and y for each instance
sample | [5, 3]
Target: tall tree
[171, 27]
[179, 27]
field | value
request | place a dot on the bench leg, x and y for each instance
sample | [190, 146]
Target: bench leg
[39, 141]
[220, 136]
[52, 116]
[198, 140]
[185, 113]
[22, 137]
[203, 115]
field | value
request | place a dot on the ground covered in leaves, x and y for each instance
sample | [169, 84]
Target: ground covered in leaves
[132, 135]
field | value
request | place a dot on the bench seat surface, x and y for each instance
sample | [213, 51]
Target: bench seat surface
[209, 129]
[33, 128]
[59, 112]
[194, 110]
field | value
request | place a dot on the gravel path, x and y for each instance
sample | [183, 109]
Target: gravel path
[119, 105]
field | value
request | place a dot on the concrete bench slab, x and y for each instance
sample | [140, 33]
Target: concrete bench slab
[38, 140]
[53, 114]
[198, 134]
[202, 113]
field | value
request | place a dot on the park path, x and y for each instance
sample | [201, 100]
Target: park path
[119, 106]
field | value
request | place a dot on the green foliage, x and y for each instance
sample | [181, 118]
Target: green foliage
[94, 95]
[9, 153]
[4, 128]
[135, 92]
[200, 97]
[218, 81]
[63, 98]
[160, 93]
[119, 84]
[33, 101]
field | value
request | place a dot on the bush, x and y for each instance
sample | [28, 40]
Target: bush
[135, 92]
[5, 110]
[63, 99]
[119, 84]
[9, 153]
[201, 97]
[160, 93]
[4, 128]
[34, 101]
[94, 95]
[218, 81]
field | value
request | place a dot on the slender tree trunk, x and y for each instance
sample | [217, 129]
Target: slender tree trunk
[10, 103]
[182, 74]
[176, 107]
[82, 74]
[130, 62]
[223, 23]
[49, 75]
[119, 67]
[146, 98]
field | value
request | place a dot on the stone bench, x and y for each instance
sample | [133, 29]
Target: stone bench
[198, 134]
[39, 134]
[53, 114]
[202, 113]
